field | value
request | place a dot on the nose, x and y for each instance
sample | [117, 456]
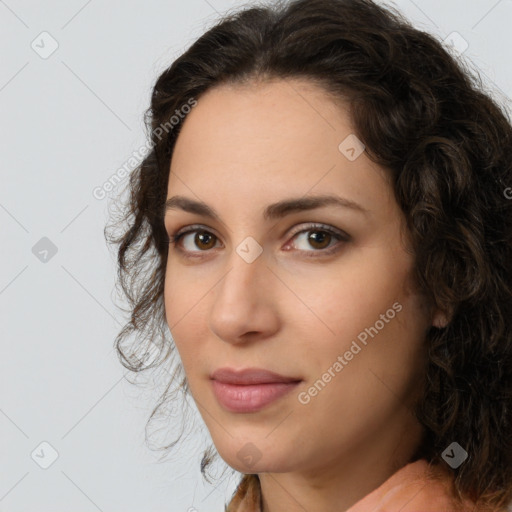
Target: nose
[244, 305]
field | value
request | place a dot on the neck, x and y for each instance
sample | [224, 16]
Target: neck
[345, 479]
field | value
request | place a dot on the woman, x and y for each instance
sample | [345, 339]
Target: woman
[322, 225]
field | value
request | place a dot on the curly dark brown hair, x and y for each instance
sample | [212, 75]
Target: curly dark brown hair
[424, 116]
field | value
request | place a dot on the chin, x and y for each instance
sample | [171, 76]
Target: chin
[251, 457]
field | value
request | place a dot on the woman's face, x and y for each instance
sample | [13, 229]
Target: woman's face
[319, 295]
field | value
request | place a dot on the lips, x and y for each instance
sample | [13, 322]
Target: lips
[250, 376]
[250, 390]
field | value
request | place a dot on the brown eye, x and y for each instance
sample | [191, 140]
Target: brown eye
[204, 240]
[317, 239]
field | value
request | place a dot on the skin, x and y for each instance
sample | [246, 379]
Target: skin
[240, 149]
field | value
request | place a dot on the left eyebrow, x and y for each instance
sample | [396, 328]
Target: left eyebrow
[273, 211]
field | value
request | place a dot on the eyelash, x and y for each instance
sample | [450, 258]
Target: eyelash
[175, 238]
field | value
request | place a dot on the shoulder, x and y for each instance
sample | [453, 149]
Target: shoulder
[418, 487]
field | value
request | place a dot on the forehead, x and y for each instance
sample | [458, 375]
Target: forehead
[273, 138]
[263, 122]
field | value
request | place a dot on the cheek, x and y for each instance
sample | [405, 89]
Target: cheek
[365, 302]
[389, 366]
[380, 379]
[183, 304]
[351, 294]
[184, 291]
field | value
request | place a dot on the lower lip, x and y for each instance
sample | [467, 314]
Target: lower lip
[252, 397]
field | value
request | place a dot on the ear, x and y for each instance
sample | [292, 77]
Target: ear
[440, 319]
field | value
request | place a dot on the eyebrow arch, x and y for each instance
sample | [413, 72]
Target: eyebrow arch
[272, 211]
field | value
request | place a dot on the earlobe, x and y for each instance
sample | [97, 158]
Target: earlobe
[440, 319]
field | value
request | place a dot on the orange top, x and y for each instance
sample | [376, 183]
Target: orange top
[416, 487]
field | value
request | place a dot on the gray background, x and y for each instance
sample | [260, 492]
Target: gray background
[68, 122]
